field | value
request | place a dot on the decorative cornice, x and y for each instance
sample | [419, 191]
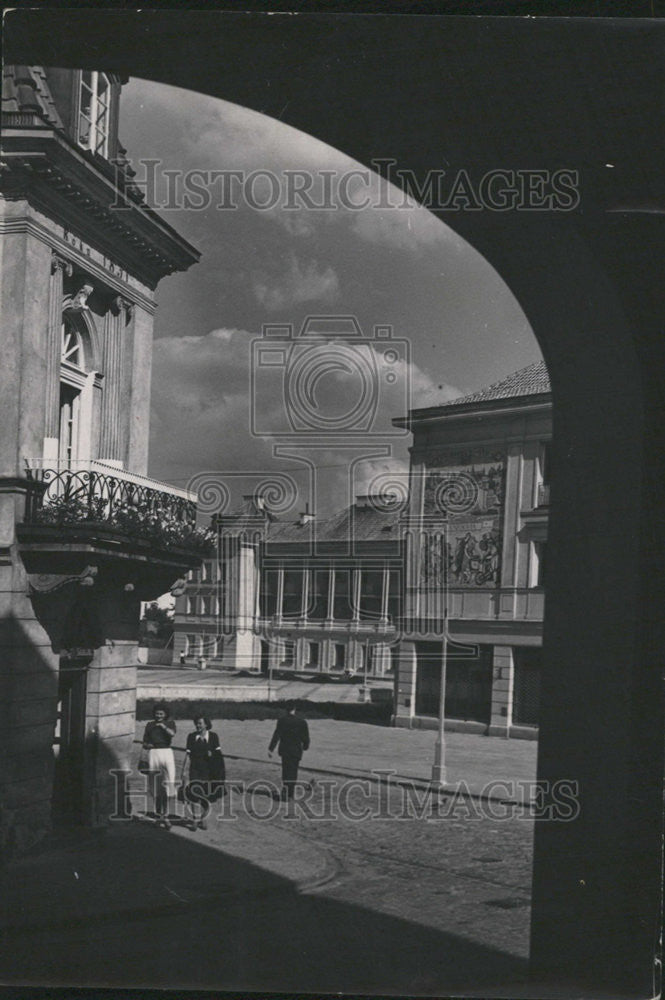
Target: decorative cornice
[39, 163]
[78, 260]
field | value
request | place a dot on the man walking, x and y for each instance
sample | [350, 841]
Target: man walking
[291, 737]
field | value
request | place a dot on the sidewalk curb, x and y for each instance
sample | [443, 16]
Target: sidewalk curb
[399, 780]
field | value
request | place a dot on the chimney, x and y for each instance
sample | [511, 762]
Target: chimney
[381, 501]
[305, 517]
[256, 499]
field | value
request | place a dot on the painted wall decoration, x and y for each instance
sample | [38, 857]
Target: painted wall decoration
[468, 488]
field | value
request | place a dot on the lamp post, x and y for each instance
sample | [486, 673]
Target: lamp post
[439, 765]
[271, 633]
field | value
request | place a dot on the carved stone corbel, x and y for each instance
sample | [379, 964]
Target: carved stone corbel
[64, 265]
[46, 583]
[119, 305]
[79, 301]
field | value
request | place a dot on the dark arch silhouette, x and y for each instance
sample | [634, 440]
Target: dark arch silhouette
[512, 94]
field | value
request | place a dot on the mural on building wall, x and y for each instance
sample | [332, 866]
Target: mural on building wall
[468, 487]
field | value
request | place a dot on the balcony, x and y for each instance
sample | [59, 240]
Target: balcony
[141, 530]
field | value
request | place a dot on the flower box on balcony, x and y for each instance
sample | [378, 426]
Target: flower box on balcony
[139, 534]
[109, 498]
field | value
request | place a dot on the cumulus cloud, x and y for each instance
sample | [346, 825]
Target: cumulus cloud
[204, 418]
[302, 282]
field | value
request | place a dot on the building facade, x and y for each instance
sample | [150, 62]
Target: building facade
[475, 565]
[376, 588]
[85, 535]
[304, 595]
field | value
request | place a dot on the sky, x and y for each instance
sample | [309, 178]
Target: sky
[221, 405]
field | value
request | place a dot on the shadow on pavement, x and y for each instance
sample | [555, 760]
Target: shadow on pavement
[135, 906]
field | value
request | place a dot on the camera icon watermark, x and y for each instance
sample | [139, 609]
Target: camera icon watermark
[328, 380]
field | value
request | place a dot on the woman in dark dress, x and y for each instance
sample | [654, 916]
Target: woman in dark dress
[205, 761]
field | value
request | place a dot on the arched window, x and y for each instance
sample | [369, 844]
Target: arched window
[73, 376]
[71, 350]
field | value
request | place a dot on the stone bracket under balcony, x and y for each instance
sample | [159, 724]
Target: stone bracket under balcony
[54, 556]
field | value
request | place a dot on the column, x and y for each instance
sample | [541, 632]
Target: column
[503, 675]
[110, 724]
[115, 320]
[330, 611]
[59, 267]
[405, 685]
[279, 604]
[384, 597]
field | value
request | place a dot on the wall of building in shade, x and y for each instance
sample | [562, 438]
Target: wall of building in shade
[77, 293]
[361, 593]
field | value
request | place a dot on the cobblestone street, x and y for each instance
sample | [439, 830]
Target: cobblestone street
[393, 892]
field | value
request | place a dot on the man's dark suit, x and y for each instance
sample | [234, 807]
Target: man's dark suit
[291, 737]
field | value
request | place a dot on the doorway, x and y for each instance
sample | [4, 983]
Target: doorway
[69, 742]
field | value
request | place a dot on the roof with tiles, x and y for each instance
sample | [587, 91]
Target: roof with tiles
[530, 381]
[24, 89]
[369, 519]
[362, 522]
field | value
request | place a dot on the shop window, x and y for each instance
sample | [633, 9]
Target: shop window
[526, 689]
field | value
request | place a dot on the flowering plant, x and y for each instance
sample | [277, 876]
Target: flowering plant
[71, 510]
[150, 519]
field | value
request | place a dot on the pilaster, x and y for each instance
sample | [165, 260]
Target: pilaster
[503, 679]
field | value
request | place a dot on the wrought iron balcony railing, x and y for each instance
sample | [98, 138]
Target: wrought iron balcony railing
[96, 492]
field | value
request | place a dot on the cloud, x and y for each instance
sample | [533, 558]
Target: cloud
[203, 133]
[202, 414]
[301, 283]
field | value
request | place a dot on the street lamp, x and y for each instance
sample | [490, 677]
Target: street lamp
[271, 633]
[439, 765]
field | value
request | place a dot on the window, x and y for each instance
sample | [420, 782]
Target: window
[189, 606]
[71, 346]
[394, 596]
[94, 112]
[293, 587]
[538, 564]
[343, 599]
[313, 654]
[468, 682]
[339, 656]
[371, 593]
[526, 695]
[288, 654]
[545, 463]
[469, 686]
[70, 406]
[269, 583]
[318, 595]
